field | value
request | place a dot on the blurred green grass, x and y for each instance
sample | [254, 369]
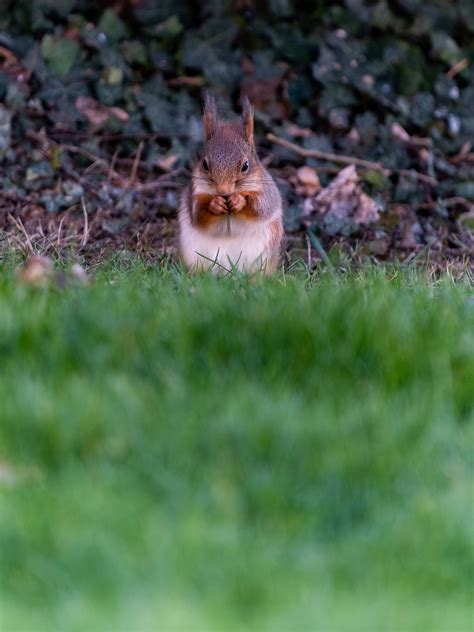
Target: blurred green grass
[197, 453]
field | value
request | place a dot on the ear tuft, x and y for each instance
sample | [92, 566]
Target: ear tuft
[210, 115]
[247, 116]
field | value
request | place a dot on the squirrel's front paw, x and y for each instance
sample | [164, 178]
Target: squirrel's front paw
[218, 205]
[236, 202]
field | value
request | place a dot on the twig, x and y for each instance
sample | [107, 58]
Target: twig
[422, 177]
[400, 134]
[163, 181]
[469, 157]
[85, 236]
[317, 245]
[60, 229]
[448, 202]
[40, 230]
[19, 224]
[112, 165]
[8, 56]
[186, 81]
[308, 248]
[47, 242]
[92, 166]
[171, 174]
[348, 160]
[414, 256]
[267, 160]
[106, 138]
[136, 162]
[144, 166]
[458, 67]
[93, 158]
[323, 155]
[150, 186]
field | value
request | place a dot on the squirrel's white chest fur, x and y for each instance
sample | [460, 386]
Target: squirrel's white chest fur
[234, 243]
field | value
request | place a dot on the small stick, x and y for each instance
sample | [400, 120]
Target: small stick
[448, 202]
[92, 166]
[149, 186]
[308, 249]
[92, 157]
[323, 155]
[85, 236]
[419, 176]
[347, 160]
[104, 137]
[19, 224]
[136, 162]
[458, 67]
[40, 230]
[112, 165]
[60, 229]
[186, 81]
[469, 157]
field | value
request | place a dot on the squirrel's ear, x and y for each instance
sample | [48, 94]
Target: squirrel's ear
[210, 115]
[247, 116]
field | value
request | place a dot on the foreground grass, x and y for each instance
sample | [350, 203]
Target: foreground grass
[211, 454]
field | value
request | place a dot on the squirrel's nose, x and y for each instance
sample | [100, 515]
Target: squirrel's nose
[223, 189]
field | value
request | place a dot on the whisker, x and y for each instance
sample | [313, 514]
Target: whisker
[202, 178]
[253, 184]
[255, 177]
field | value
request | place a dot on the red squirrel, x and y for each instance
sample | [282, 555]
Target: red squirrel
[230, 216]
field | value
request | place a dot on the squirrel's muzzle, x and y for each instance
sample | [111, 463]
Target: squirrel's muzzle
[224, 189]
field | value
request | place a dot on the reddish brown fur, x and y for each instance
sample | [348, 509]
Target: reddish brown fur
[210, 116]
[204, 217]
[249, 212]
[276, 231]
[247, 117]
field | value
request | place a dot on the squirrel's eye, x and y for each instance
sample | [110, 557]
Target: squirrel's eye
[245, 166]
[205, 164]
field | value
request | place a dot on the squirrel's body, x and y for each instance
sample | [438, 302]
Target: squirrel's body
[231, 214]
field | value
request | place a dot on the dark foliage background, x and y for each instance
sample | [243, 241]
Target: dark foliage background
[102, 103]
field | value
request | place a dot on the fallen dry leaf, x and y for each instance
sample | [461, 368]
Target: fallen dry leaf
[79, 274]
[12, 67]
[97, 114]
[308, 181]
[343, 206]
[187, 81]
[167, 163]
[353, 135]
[37, 271]
[378, 247]
[298, 132]
[11, 476]
[408, 240]
[400, 133]
[7, 474]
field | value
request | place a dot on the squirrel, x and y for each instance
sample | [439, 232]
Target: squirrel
[230, 216]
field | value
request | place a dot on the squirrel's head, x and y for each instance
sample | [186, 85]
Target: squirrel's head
[229, 162]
